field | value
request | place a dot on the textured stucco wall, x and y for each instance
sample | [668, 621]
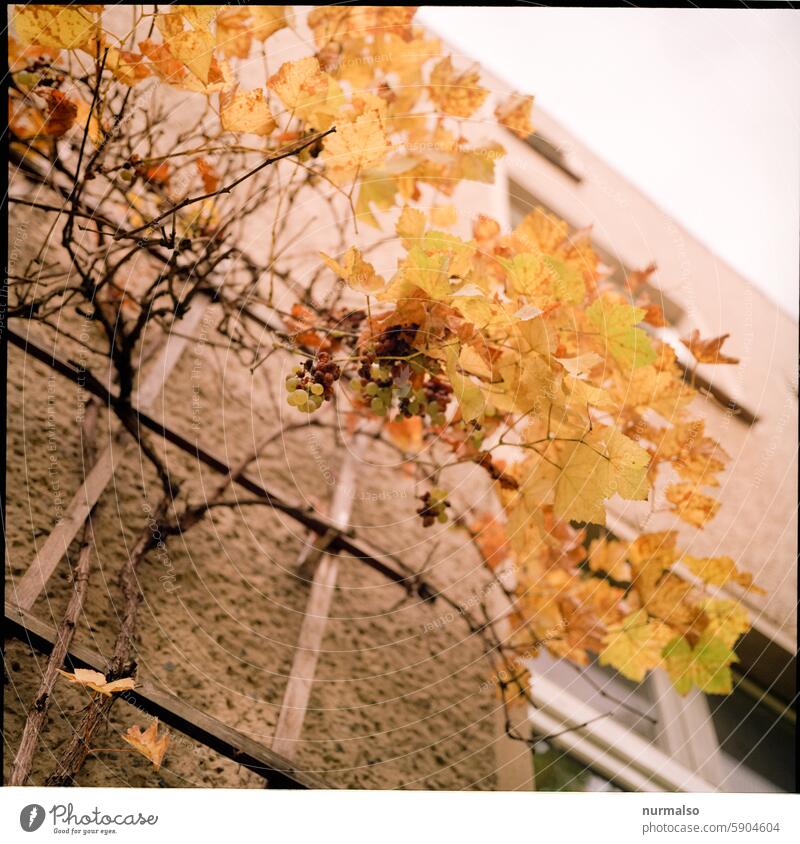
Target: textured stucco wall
[399, 700]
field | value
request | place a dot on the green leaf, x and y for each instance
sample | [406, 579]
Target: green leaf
[629, 346]
[706, 666]
[378, 188]
[469, 396]
[568, 283]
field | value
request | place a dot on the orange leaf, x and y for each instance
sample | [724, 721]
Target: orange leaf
[490, 537]
[60, 115]
[406, 434]
[707, 351]
[148, 742]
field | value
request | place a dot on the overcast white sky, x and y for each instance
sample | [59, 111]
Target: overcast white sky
[698, 108]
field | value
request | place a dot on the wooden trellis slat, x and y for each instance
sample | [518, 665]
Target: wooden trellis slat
[315, 618]
[278, 771]
[28, 588]
[386, 564]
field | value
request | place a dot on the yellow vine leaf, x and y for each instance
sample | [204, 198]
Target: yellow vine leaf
[307, 92]
[234, 33]
[628, 464]
[635, 646]
[609, 556]
[629, 346]
[195, 49]
[690, 505]
[582, 485]
[457, 94]
[410, 226]
[62, 27]
[199, 17]
[246, 111]
[706, 665]
[515, 114]
[267, 20]
[655, 549]
[443, 216]
[148, 742]
[355, 147]
[726, 619]
[97, 682]
[355, 271]
[469, 396]
[717, 571]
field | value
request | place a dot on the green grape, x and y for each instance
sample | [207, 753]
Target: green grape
[378, 406]
[371, 389]
[292, 383]
[317, 389]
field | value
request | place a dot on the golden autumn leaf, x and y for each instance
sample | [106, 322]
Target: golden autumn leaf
[469, 396]
[490, 536]
[267, 20]
[234, 32]
[515, 114]
[410, 225]
[307, 92]
[97, 682]
[457, 94]
[717, 571]
[726, 619]
[148, 742]
[198, 17]
[707, 351]
[443, 216]
[355, 271]
[246, 111]
[695, 457]
[609, 556]
[355, 147]
[656, 548]
[62, 27]
[706, 665]
[627, 464]
[127, 66]
[582, 485]
[667, 597]
[194, 49]
[635, 646]
[691, 505]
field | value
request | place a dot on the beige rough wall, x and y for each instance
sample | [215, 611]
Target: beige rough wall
[400, 700]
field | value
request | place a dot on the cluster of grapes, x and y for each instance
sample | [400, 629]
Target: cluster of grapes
[388, 372]
[430, 399]
[434, 505]
[312, 383]
[375, 385]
